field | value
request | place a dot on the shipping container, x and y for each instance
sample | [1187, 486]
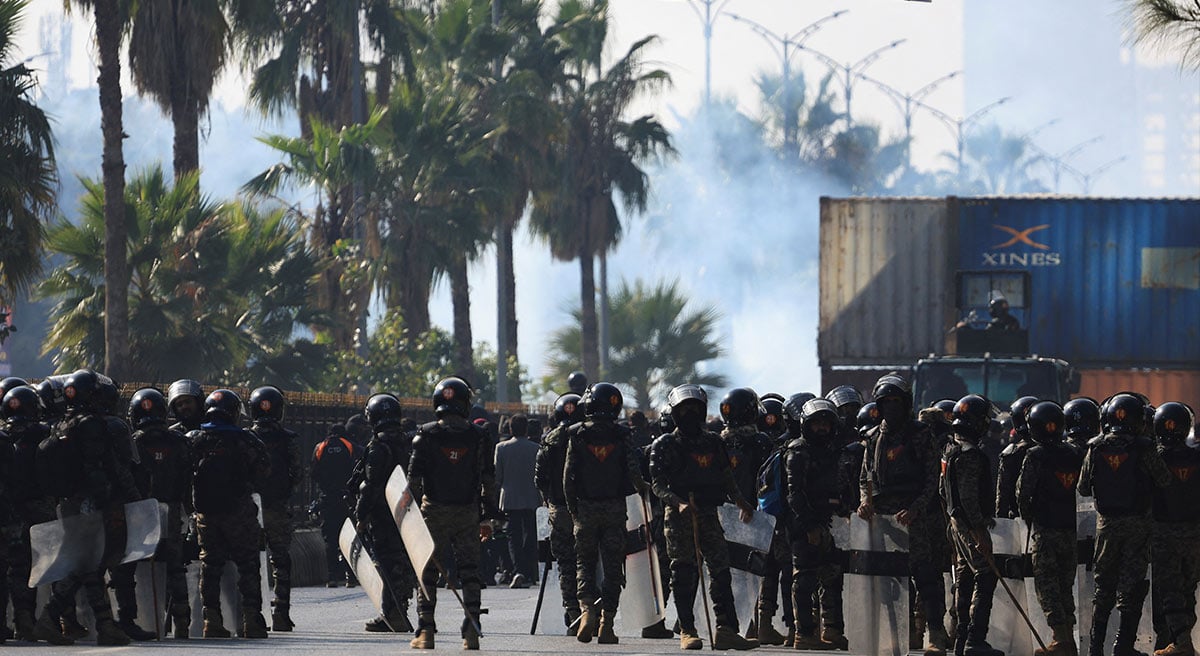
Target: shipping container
[886, 279]
[1104, 283]
[1161, 385]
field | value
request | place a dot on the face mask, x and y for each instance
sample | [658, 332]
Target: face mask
[893, 413]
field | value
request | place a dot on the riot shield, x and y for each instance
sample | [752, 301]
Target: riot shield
[76, 543]
[550, 620]
[642, 602]
[876, 587]
[361, 563]
[231, 600]
[1008, 632]
[416, 537]
[748, 545]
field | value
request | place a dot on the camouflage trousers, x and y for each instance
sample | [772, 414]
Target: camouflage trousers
[928, 556]
[1055, 559]
[234, 536]
[562, 545]
[455, 530]
[778, 572]
[277, 529]
[1175, 552]
[1122, 556]
[600, 538]
[685, 572]
[813, 565]
[975, 587]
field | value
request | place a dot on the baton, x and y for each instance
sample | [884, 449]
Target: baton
[651, 556]
[450, 586]
[992, 564]
[537, 610]
[154, 596]
[700, 568]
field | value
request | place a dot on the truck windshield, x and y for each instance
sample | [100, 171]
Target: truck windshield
[999, 381]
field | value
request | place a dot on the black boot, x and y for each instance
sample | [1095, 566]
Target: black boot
[1127, 633]
[1099, 631]
[135, 632]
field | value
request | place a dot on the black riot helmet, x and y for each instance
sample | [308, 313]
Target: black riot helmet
[266, 403]
[1124, 414]
[947, 407]
[577, 382]
[740, 407]
[603, 400]
[147, 406]
[793, 408]
[688, 408]
[1047, 423]
[107, 396]
[972, 417]
[50, 392]
[566, 409]
[771, 419]
[184, 399]
[11, 383]
[223, 405]
[848, 400]
[1172, 422]
[1018, 412]
[1082, 419]
[452, 395]
[21, 403]
[665, 423]
[382, 410]
[893, 397]
[818, 412]
[80, 388]
[868, 417]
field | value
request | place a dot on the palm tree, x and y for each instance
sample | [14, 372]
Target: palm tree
[110, 23]
[601, 153]
[215, 289]
[1169, 24]
[657, 342]
[28, 176]
[997, 162]
[176, 50]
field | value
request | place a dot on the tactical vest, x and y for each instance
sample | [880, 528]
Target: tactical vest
[222, 476]
[555, 447]
[823, 480]
[952, 462]
[26, 436]
[400, 444]
[1010, 469]
[601, 470]
[1177, 502]
[850, 459]
[162, 452]
[745, 459]
[277, 488]
[702, 469]
[453, 477]
[1054, 494]
[1120, 487]
[900, 474]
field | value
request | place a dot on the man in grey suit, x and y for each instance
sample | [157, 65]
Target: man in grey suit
[519, 499]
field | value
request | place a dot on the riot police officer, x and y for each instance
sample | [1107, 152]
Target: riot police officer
[283, 449]
[453, 476]
[692, 475]
[1046, 497]
[54, 404]
[389, 448]
[1175, 546]
[332, 463]
[185, 400]
[548, 477]
[1012, 457]
[966, 489]
[771, 421]
[1120, 469]
[21, 411]
[810, 466]
[1083, 421]
[601, 470]
[228, 464]
[577, 383]
[900, 477]
[165, 474]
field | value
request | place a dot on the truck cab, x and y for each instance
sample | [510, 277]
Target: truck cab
[1000, 379]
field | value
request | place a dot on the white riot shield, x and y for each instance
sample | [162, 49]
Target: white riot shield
[550, 620]
[76, 543]
[413, 532]
[361, 564]
[875, 592]
[748, 545]
[1086, 520]
[1008, 631]
[150, 580]
[231, 600]
[642, 602]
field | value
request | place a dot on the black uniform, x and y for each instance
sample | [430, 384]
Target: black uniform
[29, 506]
[814, 497]
[548, 477]
[389, 448]
[1006, 480]
[332, 463]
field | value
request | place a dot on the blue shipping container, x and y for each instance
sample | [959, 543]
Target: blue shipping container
[1113, 282]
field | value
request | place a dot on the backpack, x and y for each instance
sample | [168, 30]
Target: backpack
[771, 484]
[217, 482]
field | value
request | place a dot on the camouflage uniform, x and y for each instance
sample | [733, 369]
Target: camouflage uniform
[966, 488]
[548, 476]
[748, 449]
[601, 470]
[696, 466]
[1175, 547]
[813, 499]
[1046, 499]
[1120, 470]
[283, 448]
[453, 474]
[1006, 480]
[391, 447]
[229, 463]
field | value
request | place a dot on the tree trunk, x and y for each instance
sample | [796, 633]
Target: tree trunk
[589, 340]
[460, 296]
[186, 118]
[116, 264]
[641, 396]
[506, 335]
[603, 314]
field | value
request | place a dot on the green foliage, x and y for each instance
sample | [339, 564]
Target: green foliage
[1172, 25]
[485, 381]
[657, 342]
[396, 361]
